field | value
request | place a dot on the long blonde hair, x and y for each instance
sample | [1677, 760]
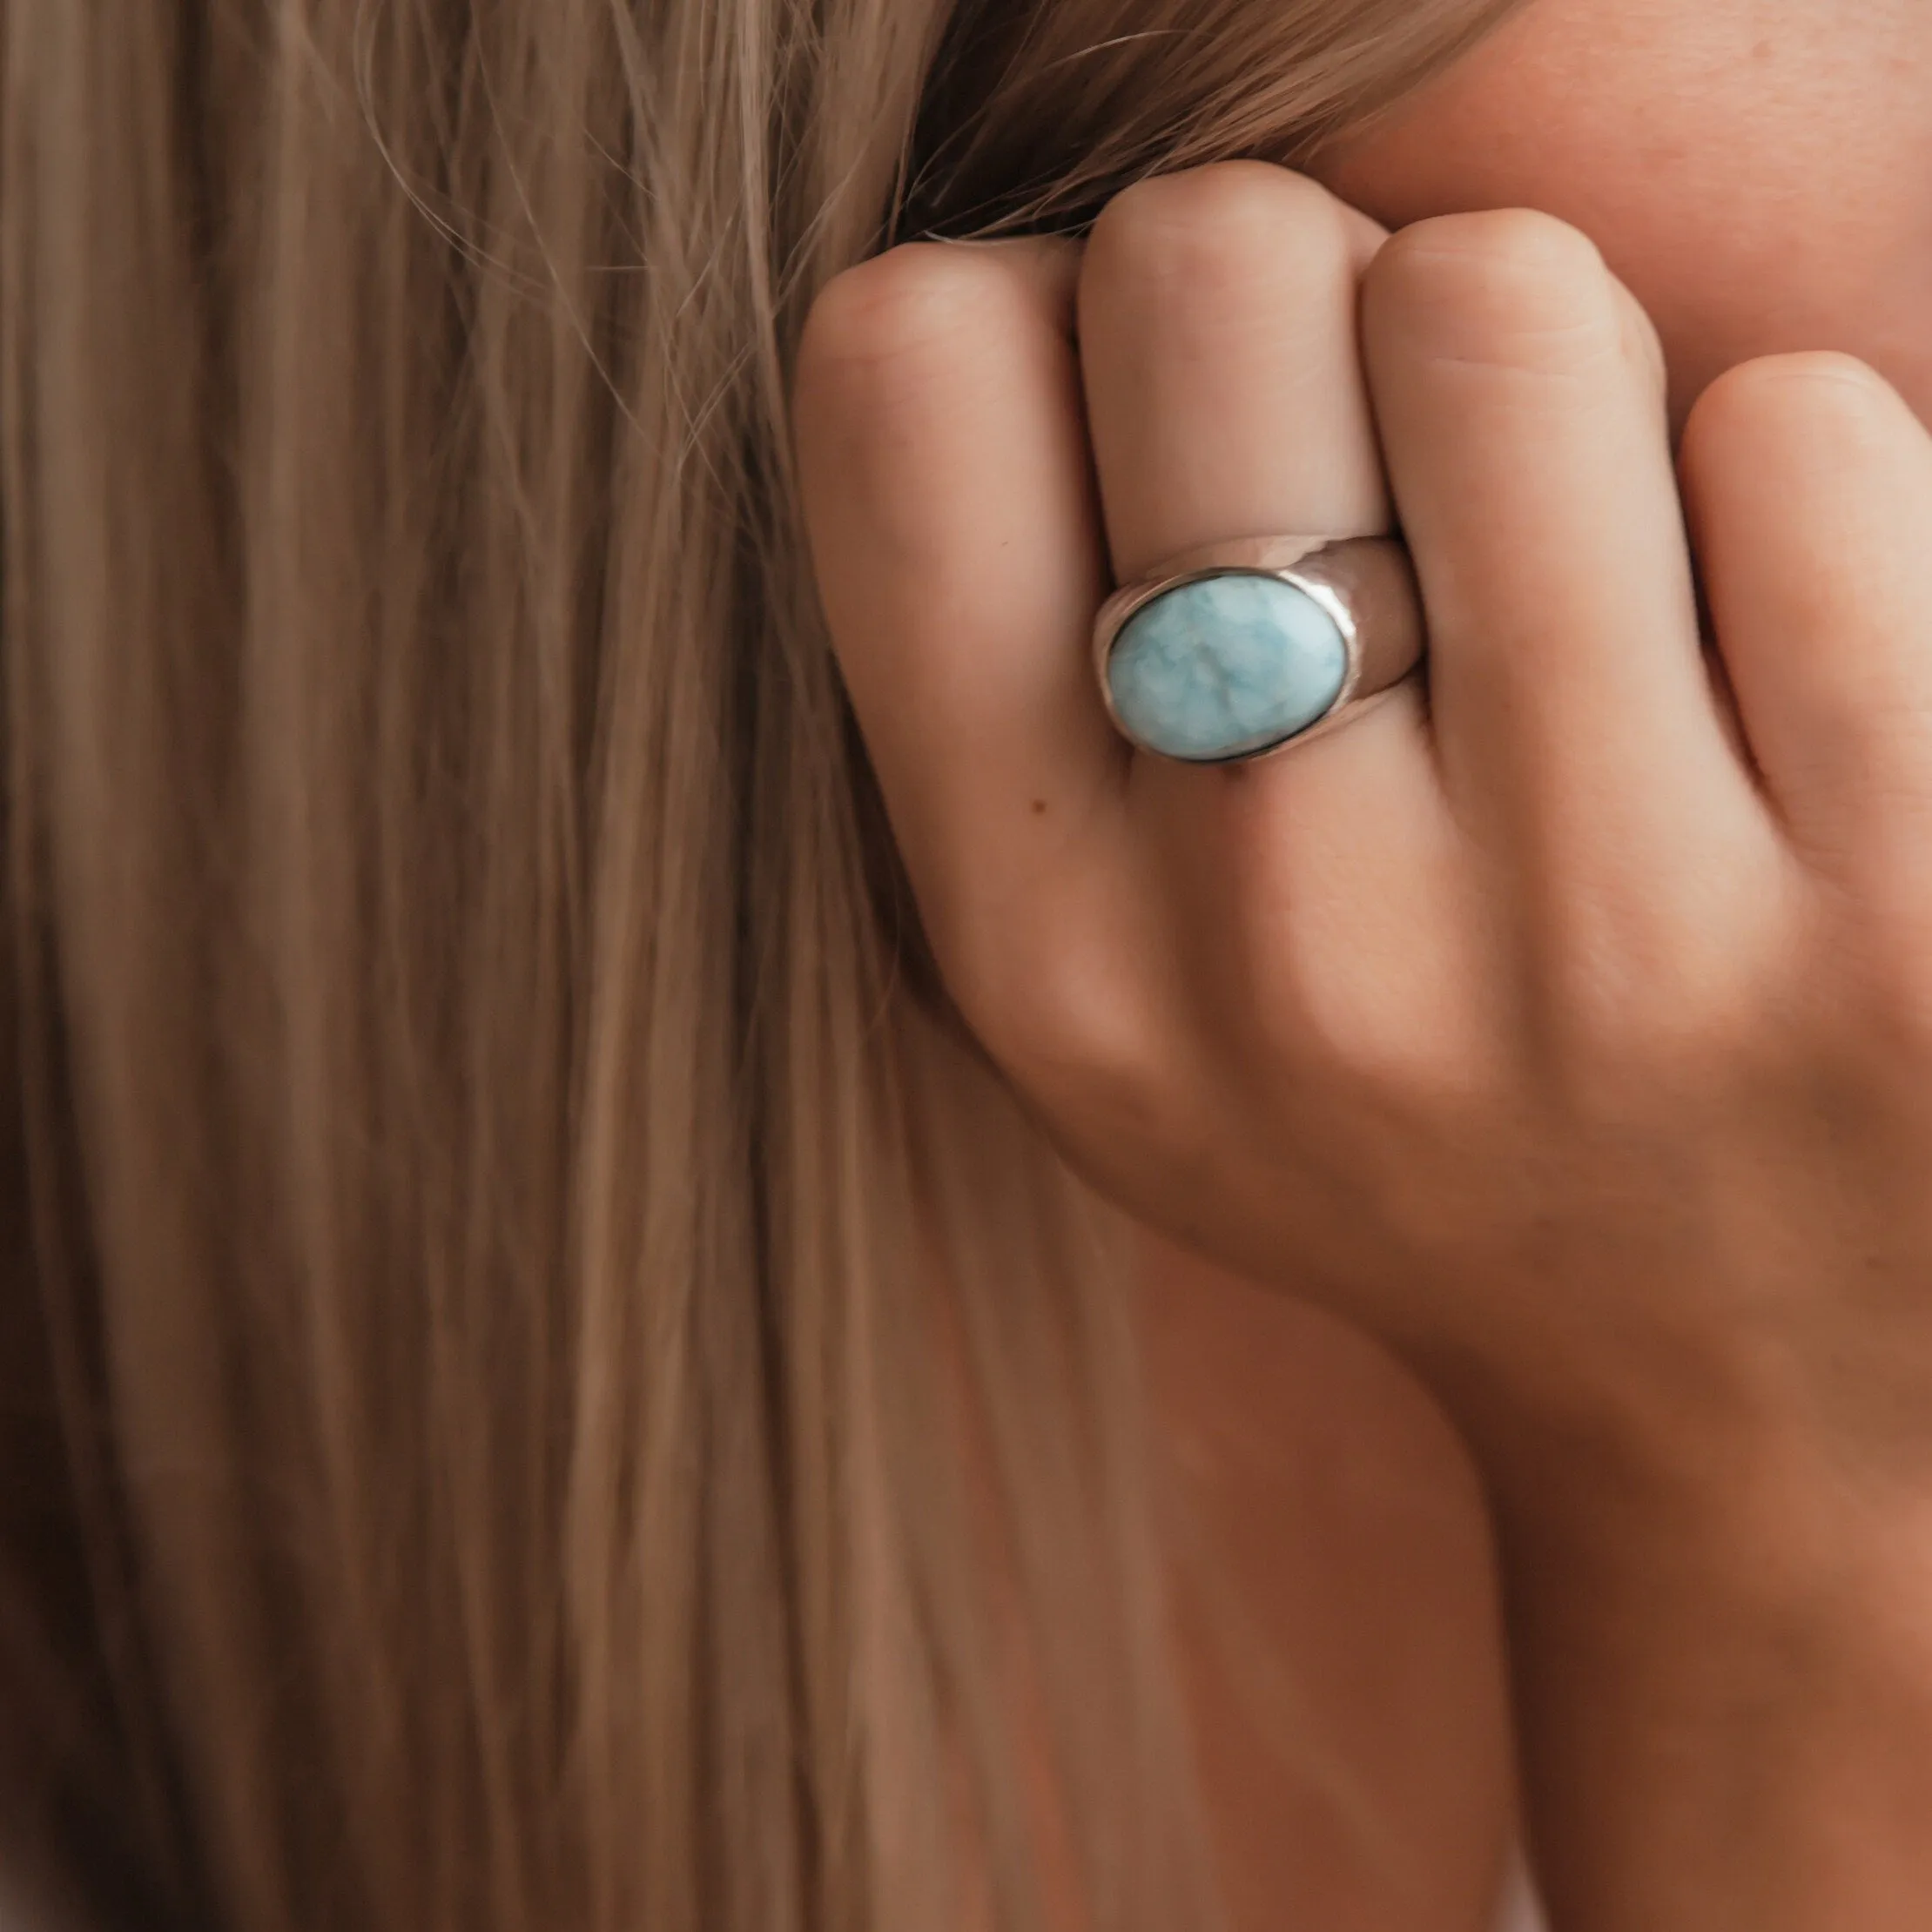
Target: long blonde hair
[542, 1385]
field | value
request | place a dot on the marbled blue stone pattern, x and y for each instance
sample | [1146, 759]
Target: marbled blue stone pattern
[1230, 664]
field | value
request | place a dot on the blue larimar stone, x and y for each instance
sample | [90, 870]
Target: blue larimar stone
[1226, 666]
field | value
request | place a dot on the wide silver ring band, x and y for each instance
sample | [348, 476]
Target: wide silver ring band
[1366, 584]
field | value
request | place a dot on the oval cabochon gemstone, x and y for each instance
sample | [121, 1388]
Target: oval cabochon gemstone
[1225, 666]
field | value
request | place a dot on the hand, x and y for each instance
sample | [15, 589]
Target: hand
[1576, 1044]
[1573, 1033]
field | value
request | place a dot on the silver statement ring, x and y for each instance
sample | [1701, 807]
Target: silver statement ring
[1239, 649]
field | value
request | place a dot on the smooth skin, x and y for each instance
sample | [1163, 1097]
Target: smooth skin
[1570, 1034]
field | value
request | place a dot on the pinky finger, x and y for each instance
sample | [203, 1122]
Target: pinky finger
[1808, 483]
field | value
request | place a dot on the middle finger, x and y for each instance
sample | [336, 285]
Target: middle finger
[1522, 409]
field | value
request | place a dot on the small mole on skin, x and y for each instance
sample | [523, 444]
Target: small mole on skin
[1039, 805]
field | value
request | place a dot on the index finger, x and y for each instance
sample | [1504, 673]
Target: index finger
[949, 503]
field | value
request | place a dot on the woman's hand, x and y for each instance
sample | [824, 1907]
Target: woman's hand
[1572, 1031]
[1578, 1047]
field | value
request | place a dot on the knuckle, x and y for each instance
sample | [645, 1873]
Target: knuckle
[1540, 260]
[1214, 227]
[1062, 1018]
[1509, 288]
[900, 316]
[1653, 984]
[1777, 407]
[1400, 1031]
[1632, 1034]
